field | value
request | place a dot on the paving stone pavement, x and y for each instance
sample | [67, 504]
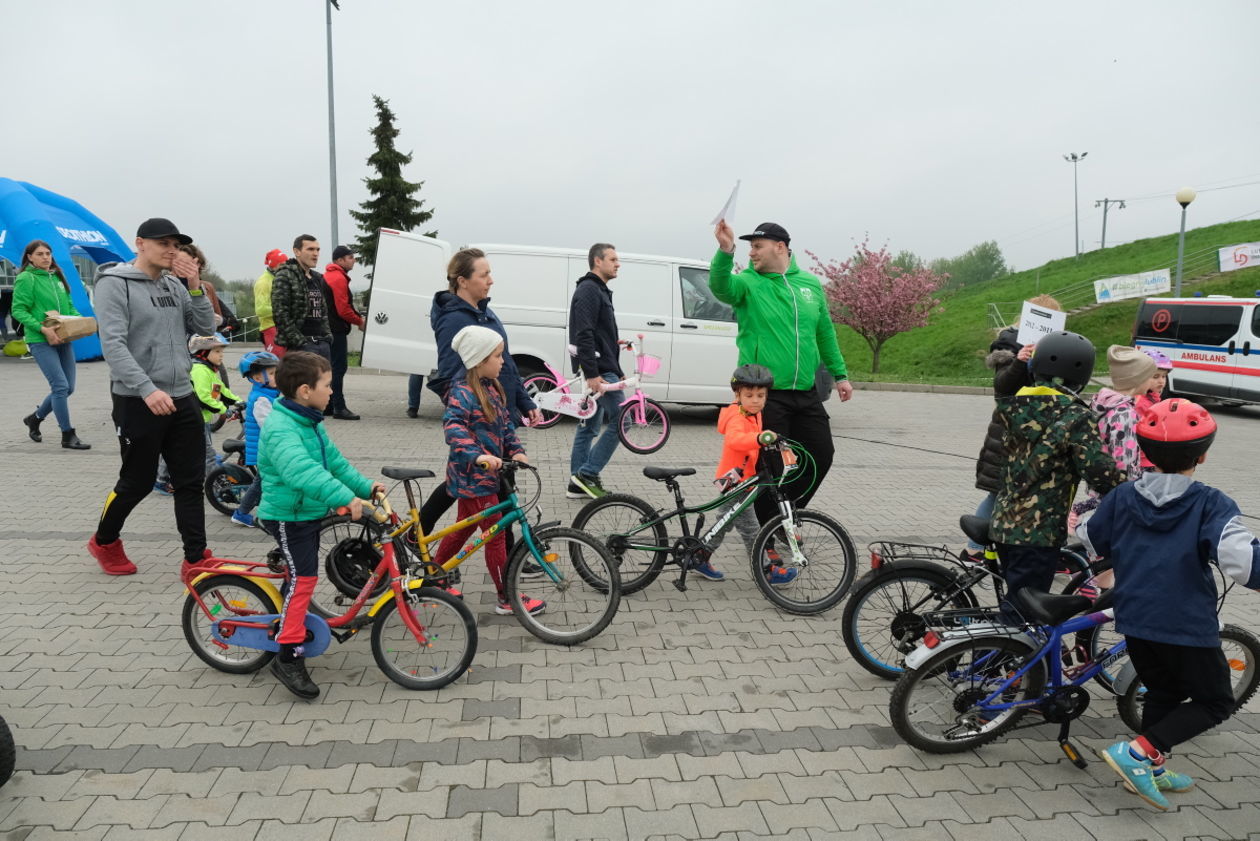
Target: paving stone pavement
[704, 715]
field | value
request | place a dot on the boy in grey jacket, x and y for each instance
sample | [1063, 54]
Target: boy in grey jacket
[144, 315]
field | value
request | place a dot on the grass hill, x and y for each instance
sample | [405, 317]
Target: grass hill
[952, 348]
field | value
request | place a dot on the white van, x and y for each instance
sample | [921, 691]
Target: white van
[666, 299]
[1213, 342]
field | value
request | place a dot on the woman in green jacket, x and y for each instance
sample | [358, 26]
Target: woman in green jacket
[41, 290]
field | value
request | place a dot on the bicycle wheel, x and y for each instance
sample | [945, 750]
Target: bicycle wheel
[646, 437]
[578, 607]
[537, 384]
[933, 707]
[884, 617]
[225, 485]
[348, 554]
[617, 521]
[225, 596]
[1242, 653]
[447, 650]
[8, 752]
[824, 574]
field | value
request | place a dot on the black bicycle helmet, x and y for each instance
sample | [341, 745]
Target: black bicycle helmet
[1065, 359]
[752, 376]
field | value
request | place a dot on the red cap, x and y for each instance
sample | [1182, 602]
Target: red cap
[274, 258]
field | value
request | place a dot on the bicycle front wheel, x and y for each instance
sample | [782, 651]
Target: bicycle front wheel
[619, 522]
[227, 596]
[644, 436]
[814, 577]
[1242, 652]
[447, 646]
[536, 385]
[579, 586]
[934, 707]
[225, 485]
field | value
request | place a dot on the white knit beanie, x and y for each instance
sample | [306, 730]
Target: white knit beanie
[474, 344]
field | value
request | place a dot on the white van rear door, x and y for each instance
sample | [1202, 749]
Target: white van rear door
[1247, 357]
[704, 340]
[409, 269]
[641, 299]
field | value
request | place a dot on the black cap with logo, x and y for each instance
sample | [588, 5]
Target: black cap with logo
[769, 230]
[342, 251]
[158, 228]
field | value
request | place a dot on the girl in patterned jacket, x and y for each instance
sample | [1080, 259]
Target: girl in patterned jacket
[480, 433]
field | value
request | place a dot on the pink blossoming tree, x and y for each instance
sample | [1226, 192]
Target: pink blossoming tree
[876, 298]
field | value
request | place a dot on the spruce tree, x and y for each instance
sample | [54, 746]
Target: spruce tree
[392, 202]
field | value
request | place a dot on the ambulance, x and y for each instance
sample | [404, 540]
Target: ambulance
[1213, 342]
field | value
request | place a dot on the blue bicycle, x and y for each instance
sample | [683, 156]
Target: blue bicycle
[964, 688]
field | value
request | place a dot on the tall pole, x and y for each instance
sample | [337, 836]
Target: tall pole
[1106, 203]
[1184, 196]
[332, 132]
[1075, 159]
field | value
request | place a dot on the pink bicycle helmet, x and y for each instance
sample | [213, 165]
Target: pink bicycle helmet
[1162, 362]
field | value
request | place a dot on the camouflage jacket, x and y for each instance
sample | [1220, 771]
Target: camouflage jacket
[1052, 442]
[290, 305]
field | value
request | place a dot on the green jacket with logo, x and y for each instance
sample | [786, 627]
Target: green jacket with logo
[783, 321]
[35, 292]
[304, 475]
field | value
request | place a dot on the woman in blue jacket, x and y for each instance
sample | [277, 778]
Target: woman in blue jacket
[464, 303]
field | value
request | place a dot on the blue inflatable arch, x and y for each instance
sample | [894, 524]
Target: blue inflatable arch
[29, 212]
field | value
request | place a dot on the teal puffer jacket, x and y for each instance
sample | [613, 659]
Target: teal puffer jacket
[304, 475]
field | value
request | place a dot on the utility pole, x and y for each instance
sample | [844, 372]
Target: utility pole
[1106, 203]
[332, 128]
[1075, 159]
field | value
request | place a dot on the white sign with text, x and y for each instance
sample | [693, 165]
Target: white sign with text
[1141, 285]
[1035, 322]
[1240, 256]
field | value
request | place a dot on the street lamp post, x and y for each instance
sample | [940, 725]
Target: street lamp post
[332, 125]
[1075, 159]
[1184, 196]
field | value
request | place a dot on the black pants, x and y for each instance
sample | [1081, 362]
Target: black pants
[440, 501]
[322, 346]
[1025, 566]
[800, 416]
[1173, 673]
[180, 439]
[340, 362]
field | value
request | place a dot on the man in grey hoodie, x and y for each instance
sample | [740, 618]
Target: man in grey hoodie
[145, 315]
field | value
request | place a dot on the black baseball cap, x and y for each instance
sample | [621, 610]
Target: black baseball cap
[158, 228]
[342, 251]
[769, 230]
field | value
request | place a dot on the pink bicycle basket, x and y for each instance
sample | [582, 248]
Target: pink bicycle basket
[647, 364]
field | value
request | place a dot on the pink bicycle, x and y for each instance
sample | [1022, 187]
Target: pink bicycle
[642, 424]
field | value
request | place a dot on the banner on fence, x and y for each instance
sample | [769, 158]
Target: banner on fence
[1240, 256]
[1132, 285]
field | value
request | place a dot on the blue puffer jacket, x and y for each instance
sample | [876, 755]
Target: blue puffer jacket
[450, 314]
[257, 407]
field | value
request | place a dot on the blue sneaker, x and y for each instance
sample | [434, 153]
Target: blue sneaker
[246, 520]
[709, 571]
[778, 576]
[164, 488]
[1137, 774]
[1166, 780]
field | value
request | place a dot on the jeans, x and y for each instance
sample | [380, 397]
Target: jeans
[590, 458]
[143, 436]
[56, 363]
[340, 362]
[415, 384]
[252, 496]
[985, 510]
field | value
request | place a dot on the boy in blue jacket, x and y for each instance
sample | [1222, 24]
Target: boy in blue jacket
[1162, 531]
[259, 367]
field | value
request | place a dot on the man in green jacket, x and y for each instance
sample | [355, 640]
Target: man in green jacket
[784, 324]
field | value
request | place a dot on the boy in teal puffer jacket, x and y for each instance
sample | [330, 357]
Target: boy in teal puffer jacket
[304, 477]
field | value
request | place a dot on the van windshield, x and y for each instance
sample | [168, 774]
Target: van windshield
[1190, 324]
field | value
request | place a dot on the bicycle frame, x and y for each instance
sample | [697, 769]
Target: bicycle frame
[585, 408]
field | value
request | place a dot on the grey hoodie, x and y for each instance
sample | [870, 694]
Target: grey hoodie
[144, 327]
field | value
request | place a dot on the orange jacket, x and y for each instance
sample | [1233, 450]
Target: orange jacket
[739, 449]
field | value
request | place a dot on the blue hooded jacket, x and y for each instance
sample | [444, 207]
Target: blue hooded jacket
[450, 314]
[1162, 532]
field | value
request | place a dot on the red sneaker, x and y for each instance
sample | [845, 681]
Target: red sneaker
[112, 558]
[187, 566]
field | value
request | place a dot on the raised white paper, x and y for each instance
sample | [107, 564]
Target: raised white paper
[728, 210]
[1035, 322]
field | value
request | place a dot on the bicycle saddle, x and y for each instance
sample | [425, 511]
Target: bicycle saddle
[234, 445]
[402, 474]
[664, 474]
[1045, 609]
[976, 528]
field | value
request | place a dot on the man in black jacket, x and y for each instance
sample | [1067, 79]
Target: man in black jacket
[593, 331]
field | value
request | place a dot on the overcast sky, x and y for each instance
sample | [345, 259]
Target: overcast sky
[931, 125]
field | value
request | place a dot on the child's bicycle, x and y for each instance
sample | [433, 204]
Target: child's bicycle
[227, 483]
[966, 687]
[422, 636]
[914, 587]
[567, 569]
[817, 553]
[642, 424]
